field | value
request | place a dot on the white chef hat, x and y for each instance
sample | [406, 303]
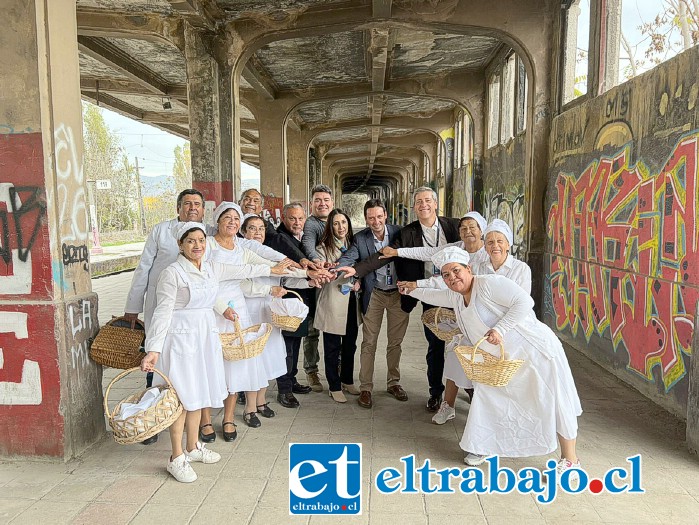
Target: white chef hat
[224, 207]
[184, 227]
[500, 226]
[450, 254]
[482, 223]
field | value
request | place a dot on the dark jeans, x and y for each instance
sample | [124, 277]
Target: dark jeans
[434, 358]
[286, 382]
[341, 348]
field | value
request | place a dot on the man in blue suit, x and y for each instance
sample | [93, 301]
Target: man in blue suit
[379, 292]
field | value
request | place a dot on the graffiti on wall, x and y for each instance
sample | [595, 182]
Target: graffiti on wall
[509, 208]
[272, 211]
[463, 194]
[626, 255]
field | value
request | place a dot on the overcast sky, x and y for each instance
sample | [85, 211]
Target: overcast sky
[153, 147]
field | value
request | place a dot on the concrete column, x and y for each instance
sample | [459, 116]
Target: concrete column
[210, 112]
[270, 122]
[50, 391]
[298, 165]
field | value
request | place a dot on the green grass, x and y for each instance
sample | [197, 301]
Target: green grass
[120, 243]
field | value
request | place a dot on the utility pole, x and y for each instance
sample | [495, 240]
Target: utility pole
[141, 210]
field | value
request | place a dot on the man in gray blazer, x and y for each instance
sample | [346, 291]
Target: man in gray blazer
[379, 292]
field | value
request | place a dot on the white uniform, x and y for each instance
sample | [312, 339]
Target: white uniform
[160, 251]
[425, 253]
[183, 330]
[274, 354]
[515, 270]
[522, 418]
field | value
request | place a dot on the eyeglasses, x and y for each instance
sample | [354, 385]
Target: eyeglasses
[255, 229]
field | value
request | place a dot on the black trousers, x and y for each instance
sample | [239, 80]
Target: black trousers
[434, 358]
[286, 382]
[341, 348]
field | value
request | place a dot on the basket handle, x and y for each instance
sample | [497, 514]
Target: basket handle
[473, 350]
[292, 292]
[238, 330]
[122, 375]
[133, 322]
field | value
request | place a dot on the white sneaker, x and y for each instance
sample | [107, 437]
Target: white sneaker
[566, 464]
[444, 414]
[181, 470]
[203, 454]
[474, 459]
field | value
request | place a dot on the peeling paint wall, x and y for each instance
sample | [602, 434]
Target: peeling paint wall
[622, 261]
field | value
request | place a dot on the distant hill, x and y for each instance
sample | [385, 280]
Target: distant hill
[155, 186]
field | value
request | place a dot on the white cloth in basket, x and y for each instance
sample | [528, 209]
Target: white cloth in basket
[446, 325]
[252, 336]
[289, 307]
[148, 399]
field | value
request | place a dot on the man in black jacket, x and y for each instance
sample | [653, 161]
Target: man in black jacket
[428, 230]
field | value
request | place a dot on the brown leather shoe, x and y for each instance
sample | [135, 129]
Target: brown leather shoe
[397, 392]
[364, 399]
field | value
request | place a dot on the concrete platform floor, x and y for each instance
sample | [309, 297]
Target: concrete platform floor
[129, 484]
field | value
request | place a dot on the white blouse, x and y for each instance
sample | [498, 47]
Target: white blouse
[512, 268]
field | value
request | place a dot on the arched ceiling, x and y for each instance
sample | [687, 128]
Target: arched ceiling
[132, 61]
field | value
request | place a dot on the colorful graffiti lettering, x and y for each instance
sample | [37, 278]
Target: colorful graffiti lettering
[624, 256]
[510, 210]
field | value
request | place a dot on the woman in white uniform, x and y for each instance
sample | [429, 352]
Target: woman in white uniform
[183, 339]
[471, 229]
[498, 239]
[540, 403]
[274, 354]
[244, 375]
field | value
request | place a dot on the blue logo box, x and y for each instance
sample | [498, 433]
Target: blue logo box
[325, 478]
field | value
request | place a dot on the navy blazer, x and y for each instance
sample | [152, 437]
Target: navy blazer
[363, 248]
[408, 269]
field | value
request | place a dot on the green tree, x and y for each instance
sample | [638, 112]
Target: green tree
[105, 159]
[182, 169]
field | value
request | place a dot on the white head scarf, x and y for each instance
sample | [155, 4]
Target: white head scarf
[500, 226]
[450, 254]
[224, 207]
[482, 223]
[184, 227]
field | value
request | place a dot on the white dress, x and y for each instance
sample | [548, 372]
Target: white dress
[515, 270]
[425, 253]
[244, 375]
[522, 418]
[183, 330]
[274, 354]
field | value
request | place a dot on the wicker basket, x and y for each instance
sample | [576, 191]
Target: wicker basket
[492, 371]
[287, 322]
[431, 320]
[117, 345]
[236, 348]
[147, 423]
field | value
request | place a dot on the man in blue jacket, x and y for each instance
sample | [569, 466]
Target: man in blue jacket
[378, 292]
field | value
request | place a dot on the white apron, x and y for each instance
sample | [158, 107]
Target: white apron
[191, 356]
[245, 375]
[522, 418]
[274, 354]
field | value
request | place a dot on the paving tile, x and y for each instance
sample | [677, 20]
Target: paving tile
[249, 465]
[457, 503]
[265, 516]
[131, 489]
[628, 509]
[164, 513]
[80, 488]
[237, 493]
[11, 507]
[673, 508]
[570, 507]
[382, 518]
[172, 491]
[455, 519]
[519, 505]
[54, 512]
[106, 514]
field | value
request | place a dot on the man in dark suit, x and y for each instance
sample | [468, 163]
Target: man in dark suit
[428, 230]
[379, 292]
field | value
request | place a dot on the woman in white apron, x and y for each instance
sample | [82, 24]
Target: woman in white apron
[183, 340]
[244, 375]
[274, 354]
[498, 239]
[540, 403]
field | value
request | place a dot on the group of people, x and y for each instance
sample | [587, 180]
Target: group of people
[194, 281]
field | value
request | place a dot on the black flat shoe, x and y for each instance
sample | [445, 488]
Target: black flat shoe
[251, 420]
[229, 436]
[207, 438]
[266, 411]
[288, 400]
[298, 388]
[150, 440]
[433, 403]
[241, 398]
